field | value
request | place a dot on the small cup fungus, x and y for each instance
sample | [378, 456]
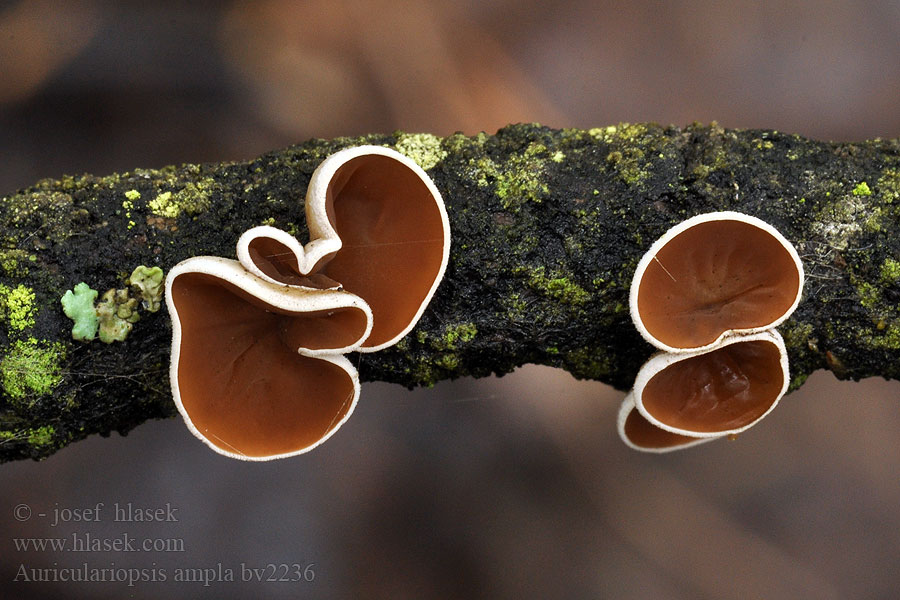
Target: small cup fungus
[709, 293]
[713, 275]
[715, 392]
[257, 368]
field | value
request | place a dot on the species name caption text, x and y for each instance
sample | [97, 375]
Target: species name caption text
[131, 576]
[125, 542]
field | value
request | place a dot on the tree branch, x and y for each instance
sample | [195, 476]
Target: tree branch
[547, 225]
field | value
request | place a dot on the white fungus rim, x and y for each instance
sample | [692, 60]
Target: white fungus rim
[625, 410]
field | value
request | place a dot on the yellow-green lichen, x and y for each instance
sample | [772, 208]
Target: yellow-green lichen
[623, 132]
[192, 199]
[39, 437]
[869, 295]
[464, 332]
[515, 306]
[78, 305]
[132, 195]
[630, 164]
[12, 262]
[796, 334]
[447, 361]
[163, 206]
[116, 312]
[627, 143]
[42, 436]
[558, 287]
[890, 271]
[31, 368]
[18, 306]
[516, 181]
[423, 148]
[862, 189]
[889, 185]
[586, 363]
[149, 283]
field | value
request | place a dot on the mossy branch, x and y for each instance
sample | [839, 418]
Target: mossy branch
[547, 226]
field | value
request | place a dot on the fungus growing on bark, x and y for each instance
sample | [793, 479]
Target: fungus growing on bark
[640, 434]
[711, 276]
[709, 293]
[258, 370]
[716, 392]
[377, 227]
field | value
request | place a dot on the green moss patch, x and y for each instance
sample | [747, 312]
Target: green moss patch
[31, 367]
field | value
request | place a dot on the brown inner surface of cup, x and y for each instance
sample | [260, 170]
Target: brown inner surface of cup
[280, 263]
[717, 391]
[241, 380]
[645, 434]
[714, 277]
[393, 238]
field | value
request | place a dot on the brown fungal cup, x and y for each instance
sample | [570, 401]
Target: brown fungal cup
[256, 368]
[378, 228]
[713, 275]
[714, 392]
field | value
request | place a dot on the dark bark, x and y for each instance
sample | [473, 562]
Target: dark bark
[547, 228]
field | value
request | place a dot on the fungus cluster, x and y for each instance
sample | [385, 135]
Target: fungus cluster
[258, 368]
[709, 294]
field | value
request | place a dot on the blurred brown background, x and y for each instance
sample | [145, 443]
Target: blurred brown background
[504, 488]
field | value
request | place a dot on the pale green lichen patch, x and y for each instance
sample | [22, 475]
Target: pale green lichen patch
[50, 213]
[31, 368]
[423, 148]
[149, 283]
[839, 220]
[116, 312]
[862, 189]
[78, 305]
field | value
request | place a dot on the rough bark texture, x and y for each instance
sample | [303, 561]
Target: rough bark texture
[548, 226]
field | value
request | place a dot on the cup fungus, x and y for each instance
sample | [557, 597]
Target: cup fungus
[378, 226]
[716, 392]
[709, 293]
[640, 434]
[712, 275]
[257, 368]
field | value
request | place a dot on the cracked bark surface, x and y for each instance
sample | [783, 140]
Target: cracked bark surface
[548, 226]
